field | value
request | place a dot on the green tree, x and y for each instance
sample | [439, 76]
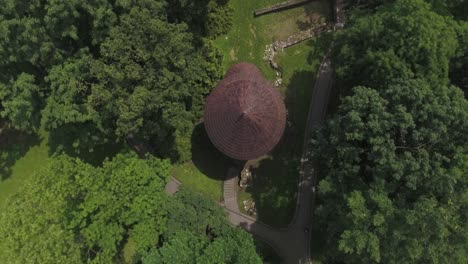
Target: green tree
[393, 162]
[198, 232]
[102, 71]
[235, 246]
[403, 40]
[208, 18]
[71, 212]
[18, 103]
[154, 88]
[459, 65]
[74, 127]
[34, 35]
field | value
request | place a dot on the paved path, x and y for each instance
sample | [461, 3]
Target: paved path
[172, 186]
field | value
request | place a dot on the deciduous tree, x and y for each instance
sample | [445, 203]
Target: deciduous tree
[393, 161]
[403, 40]
[72, 212]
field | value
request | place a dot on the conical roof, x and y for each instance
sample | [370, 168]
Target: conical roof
[244, 115]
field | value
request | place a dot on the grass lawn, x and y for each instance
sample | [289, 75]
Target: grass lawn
[20, 157]
[128, 252]
[275, 178]
[192, 178]
[206, 171]
[247, 39]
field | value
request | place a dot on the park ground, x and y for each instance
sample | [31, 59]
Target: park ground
[276, 176]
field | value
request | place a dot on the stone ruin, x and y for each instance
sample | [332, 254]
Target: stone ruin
[245, 178]
[249, 207]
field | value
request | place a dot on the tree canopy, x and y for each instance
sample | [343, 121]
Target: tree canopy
[403, 40]
[394, 164]
[393, 157]
[117, 68]
[197, 232]
[72, 212]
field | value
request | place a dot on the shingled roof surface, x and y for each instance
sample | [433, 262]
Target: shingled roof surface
[244, 115]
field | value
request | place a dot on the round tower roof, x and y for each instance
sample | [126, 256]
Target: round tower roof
[244, 115]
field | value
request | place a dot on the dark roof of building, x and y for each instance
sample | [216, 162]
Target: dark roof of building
[244, 115]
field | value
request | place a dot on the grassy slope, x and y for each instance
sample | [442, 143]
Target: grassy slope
[205, 172]
[33, 156]
[194, 179]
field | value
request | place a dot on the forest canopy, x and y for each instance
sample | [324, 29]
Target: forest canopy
[117, 68]
[72, 212]
[393, 157]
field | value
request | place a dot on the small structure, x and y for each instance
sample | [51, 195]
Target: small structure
[244, 115]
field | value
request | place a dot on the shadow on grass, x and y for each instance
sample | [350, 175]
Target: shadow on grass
[275, 179]
[324, 8]
[206, 157]
[298, 96]
[275, 184]
[14, 145]
[76, 141]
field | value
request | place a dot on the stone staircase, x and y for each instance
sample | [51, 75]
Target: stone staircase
[230, 190]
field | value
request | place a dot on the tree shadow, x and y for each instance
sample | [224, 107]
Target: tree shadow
[320, 45]
[14, 145]
[275, 179]
[83, 142]
[274, 184]
[297, 99]
[315, 8]
[266, 252]
[317, 243]
[316, 14]
[303, 25]
[206, 157]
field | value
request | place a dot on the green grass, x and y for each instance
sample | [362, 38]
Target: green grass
[246, 40]
[128, 251]
[206, 171]
[299, 66]
[34, 155]
[20, 158]
[275, 181]
[249, 35]
[192, 178]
